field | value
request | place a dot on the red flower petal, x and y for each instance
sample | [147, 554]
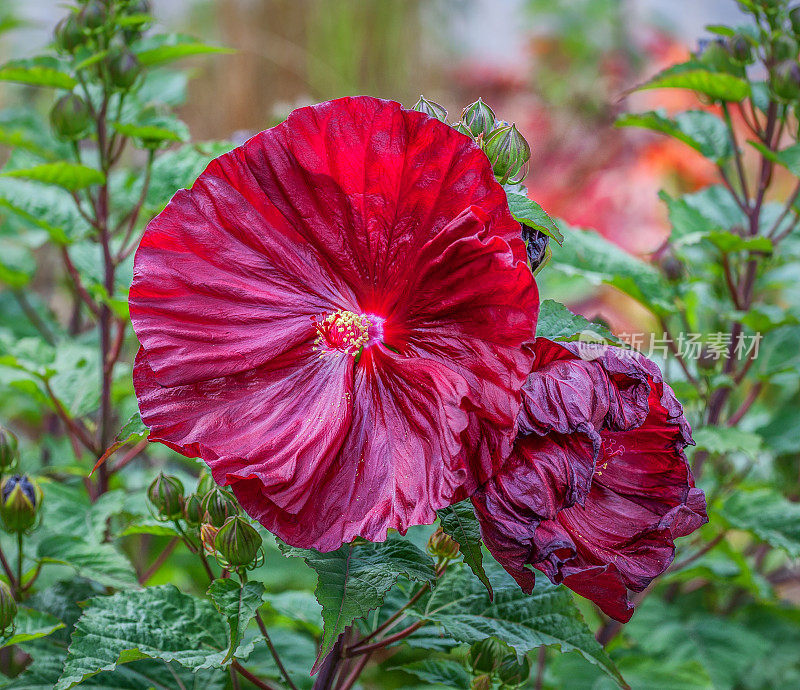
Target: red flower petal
[620, 535]
[355, 215]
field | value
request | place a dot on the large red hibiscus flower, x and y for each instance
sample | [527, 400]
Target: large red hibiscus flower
[598, 486]
[336, 318]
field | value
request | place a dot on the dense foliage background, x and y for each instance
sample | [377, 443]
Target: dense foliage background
[93, 149]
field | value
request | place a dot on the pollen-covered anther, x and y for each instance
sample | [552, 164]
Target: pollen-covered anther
[341, 331]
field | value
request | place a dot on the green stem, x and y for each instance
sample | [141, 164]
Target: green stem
[20, 556]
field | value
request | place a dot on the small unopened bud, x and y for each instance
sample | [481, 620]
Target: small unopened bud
[785, 80]
[166, 495]
[123, 69]
[8, 610]
[740, 49]
[21, 500]
[784, 48]
[513, 672]
[237, 542]
[478, 118]
[462, 129]
[508, 152]
[207, 535]
[9, 448]
[672, 267]
[205, 483]
[70, 116]
[93, 15]
[441, 545]
[423, 105]
[218, 505]
[536, 244]
[193, 510]
[713, 52]
[482, 682]
[485, 656]
[68, 34]
[794, 18]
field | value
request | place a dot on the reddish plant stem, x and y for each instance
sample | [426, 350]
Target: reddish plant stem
[385, 642]
[80, 288]
[74, 428]
[274, 652]
[736, 417]
[330, 667]
[162, 558]
[352, 677]
[396, 616]
[130, 455]
[8, 571]
[255, 680]
[541, 663]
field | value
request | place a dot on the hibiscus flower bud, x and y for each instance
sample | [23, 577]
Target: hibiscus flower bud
[442, 546]
[672, 267]
[485, 656]
[784, 48]
[713, 52]
[70, 116]
[794, 18]
[123, 69]
[483, 682]
[513, 672]
[507, 151]
[207, 535]
[166, 494]
[193, 510]
[204, 483]
[423, 105]
[237, 542]
[9, 451]
[785, 80]
[478, 118]
[21, 499]
[8, 609]
[68, 34]
[93, 15]
[461, 128]
[739, 48]
[218, 505]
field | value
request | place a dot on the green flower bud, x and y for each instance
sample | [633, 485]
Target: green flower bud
[123, 69]
[740, 49]
[9, 450]
[21, 500]
[207, 535]
[93, 15]
[70, 117]
[139, 7]
[784, 48]
[440, 545]
[713, 52]
[423, 105]
[217, 506]
[485, 656]
[166, 495]
[478, 118]
[483, 682]
[513, 672]
[463, 129]
[794, 18]
[508, 152]
[205, 483]
[192, 510]
[8, 609]
[237, 542]
[785, 80]
[68, 34]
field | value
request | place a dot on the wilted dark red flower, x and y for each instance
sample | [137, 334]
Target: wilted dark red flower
[336, 318]
[598, 486]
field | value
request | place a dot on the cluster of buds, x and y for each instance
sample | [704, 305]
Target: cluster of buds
[213, 514]
[490, 659]
[20, 502]
[504, 146]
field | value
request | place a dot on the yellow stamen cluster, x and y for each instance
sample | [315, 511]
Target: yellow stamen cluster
[341, 331]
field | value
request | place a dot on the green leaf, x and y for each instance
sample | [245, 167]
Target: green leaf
[451, 674]
[732, 242]
[527, 211]
[699, 129]
[31, 625]
[299, 606]
[548, 615]
[557, 322]
[768, 515]
[238, 603]
[99, 562]
[179, 169]
[157, 50]
[723, 440]
[134, 430]
[157, 130]
[459, 522]
[789, 157]
[49, 208]
[41, 71]
[156, 622]
[588, 254]
[69, 176]
[694, 76]
[353, 580]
